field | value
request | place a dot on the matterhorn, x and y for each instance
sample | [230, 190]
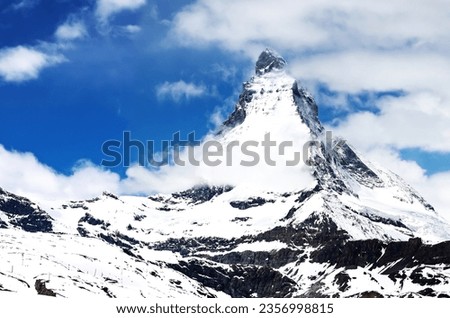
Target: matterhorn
[332, 225]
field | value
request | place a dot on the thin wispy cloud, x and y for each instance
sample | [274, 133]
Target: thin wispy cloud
[106, 8]
[180, 90]
[124, 30]
[24, 4]
[132, 29]
[70, 31]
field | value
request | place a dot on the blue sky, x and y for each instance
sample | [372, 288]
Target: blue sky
[106, 84]
[74, 74]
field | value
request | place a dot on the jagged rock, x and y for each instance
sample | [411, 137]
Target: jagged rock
[369, 294]
[274, 259]
[200, 244]
[268, 61]
[89, 219]
[250, 203]
[201, 194]
[349, 253]
[238, 281]
[342, 281]
[23, 213]
[41, 288]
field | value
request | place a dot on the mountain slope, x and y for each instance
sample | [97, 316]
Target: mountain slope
[330, 225]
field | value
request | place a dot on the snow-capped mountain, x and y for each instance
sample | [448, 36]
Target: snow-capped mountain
[333, 225]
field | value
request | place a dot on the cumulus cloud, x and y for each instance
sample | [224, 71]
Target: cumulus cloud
[23, 174]
[71, 31]
[374, 70]
[232, 165]
[417, 120]
[246, 25]
[107, 8]
[22, 63]
[179, 90]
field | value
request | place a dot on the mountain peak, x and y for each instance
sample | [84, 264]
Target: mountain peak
[275, 96]
[269, 60]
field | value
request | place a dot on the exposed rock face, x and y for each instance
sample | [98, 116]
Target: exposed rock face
[201, 194]
[250, 203]
[269, 61]
[23, 213]
[238, 281]
[41, 288]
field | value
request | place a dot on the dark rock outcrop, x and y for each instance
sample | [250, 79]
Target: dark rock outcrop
[238, 281]
[250, 203]
[40, 286]
[201, 194]
[24, 214]
[268, 61]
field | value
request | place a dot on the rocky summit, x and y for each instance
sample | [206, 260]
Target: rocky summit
[336, 226]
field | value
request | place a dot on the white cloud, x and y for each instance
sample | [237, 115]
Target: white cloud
[179, 90]
[417, 120]
[122, 30]
[21, 63]
[71, 31]
[255, 178]
[131, 28]
[107, 8]
[377, 70]
[23, 174]
[247, 25]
